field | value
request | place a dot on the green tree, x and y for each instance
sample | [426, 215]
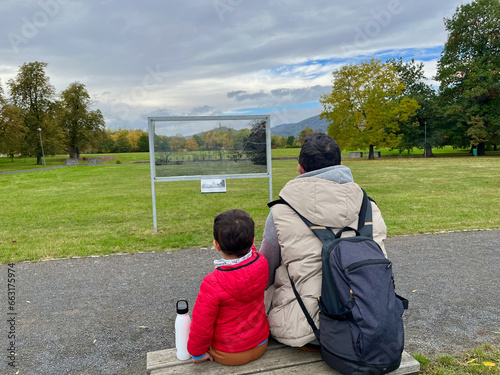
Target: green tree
[82, 126]
[12, 128]
[255, 145]
[477, 131]
[290, 141]
[162, 143]
[122, 143]
[106, 143]
[469, 71]
[143, 143]
[423, 129]
[303, 134]
[32, 92]
[178, 142]
[278, 141]
[366, 106]
[198, 140]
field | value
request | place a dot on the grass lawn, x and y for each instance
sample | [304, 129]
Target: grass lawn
[106, 209]
[482, 360]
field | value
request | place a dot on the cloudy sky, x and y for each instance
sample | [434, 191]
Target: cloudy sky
[213, 57]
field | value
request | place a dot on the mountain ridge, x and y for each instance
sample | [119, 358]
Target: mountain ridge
[314, 122]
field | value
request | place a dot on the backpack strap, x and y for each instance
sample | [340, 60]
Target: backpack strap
[323, 233]
[365, 221]
[303, 307]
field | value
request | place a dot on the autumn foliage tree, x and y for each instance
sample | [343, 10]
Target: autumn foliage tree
[366, 106]
[12, 128]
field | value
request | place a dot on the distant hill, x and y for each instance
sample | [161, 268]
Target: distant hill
[315, 123]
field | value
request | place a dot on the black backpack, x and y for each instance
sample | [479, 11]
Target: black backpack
[360, 314]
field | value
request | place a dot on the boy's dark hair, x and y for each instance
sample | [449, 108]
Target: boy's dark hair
[319, 151]
[234, 231]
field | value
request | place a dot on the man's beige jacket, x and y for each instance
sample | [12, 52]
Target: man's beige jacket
[324, 203]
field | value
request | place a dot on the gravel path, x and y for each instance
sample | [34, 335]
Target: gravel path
[101, 315]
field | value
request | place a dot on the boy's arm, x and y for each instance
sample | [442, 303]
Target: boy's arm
[205, 312]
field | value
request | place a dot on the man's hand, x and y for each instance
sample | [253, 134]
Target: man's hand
[206, 357]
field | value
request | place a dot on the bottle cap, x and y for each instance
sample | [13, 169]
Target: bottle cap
[182, 306]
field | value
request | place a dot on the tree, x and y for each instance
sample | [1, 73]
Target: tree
[133, 137]
[278, 141]
[303, 134]
[162, 143]
[236, 143]
[82, 126]
[255, 145]
[198, 140]
[469, 71]
[106, 142]
[219, 141]
[178, 142]
[32, 92]
[290, 141]
[143, 143]
[122, 143]
[191, 144]
[366, 106]
[477, 131]
[423, 129]
[12, 128]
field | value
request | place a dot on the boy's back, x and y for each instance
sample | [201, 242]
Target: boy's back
[229, 310]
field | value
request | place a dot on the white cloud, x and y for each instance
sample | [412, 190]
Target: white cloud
[184, 58]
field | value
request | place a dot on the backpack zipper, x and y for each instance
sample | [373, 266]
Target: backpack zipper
[368, 262]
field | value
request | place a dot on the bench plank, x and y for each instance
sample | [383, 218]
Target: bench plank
[277, 360]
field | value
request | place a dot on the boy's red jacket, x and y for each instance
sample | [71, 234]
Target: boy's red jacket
[229, 311]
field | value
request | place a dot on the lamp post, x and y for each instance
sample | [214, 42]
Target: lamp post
[41, 143]
[425, 142]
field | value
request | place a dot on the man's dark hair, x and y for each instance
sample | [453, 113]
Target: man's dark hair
[319, 151]
[234, 231]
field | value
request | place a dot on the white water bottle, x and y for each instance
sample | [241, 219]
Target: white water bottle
[182, 326]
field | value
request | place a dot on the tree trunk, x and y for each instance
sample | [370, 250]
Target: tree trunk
[481, 149]
[428, 151]
[39, 160]
[494, 147]
[74, 153]
[371, 153]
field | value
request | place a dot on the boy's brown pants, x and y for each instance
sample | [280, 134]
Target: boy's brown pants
[236, 359]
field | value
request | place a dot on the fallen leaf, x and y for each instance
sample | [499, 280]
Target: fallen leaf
[28, 302]
[94, 341]
[472, 360]
[489, 364]
[143, 327]
[413, 291]
[498, 333]
[14, 242]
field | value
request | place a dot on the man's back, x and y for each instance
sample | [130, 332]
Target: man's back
[323, 201]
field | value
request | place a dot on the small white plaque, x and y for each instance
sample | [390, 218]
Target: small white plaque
[213, 185]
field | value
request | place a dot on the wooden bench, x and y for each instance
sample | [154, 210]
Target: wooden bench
[277, 360]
